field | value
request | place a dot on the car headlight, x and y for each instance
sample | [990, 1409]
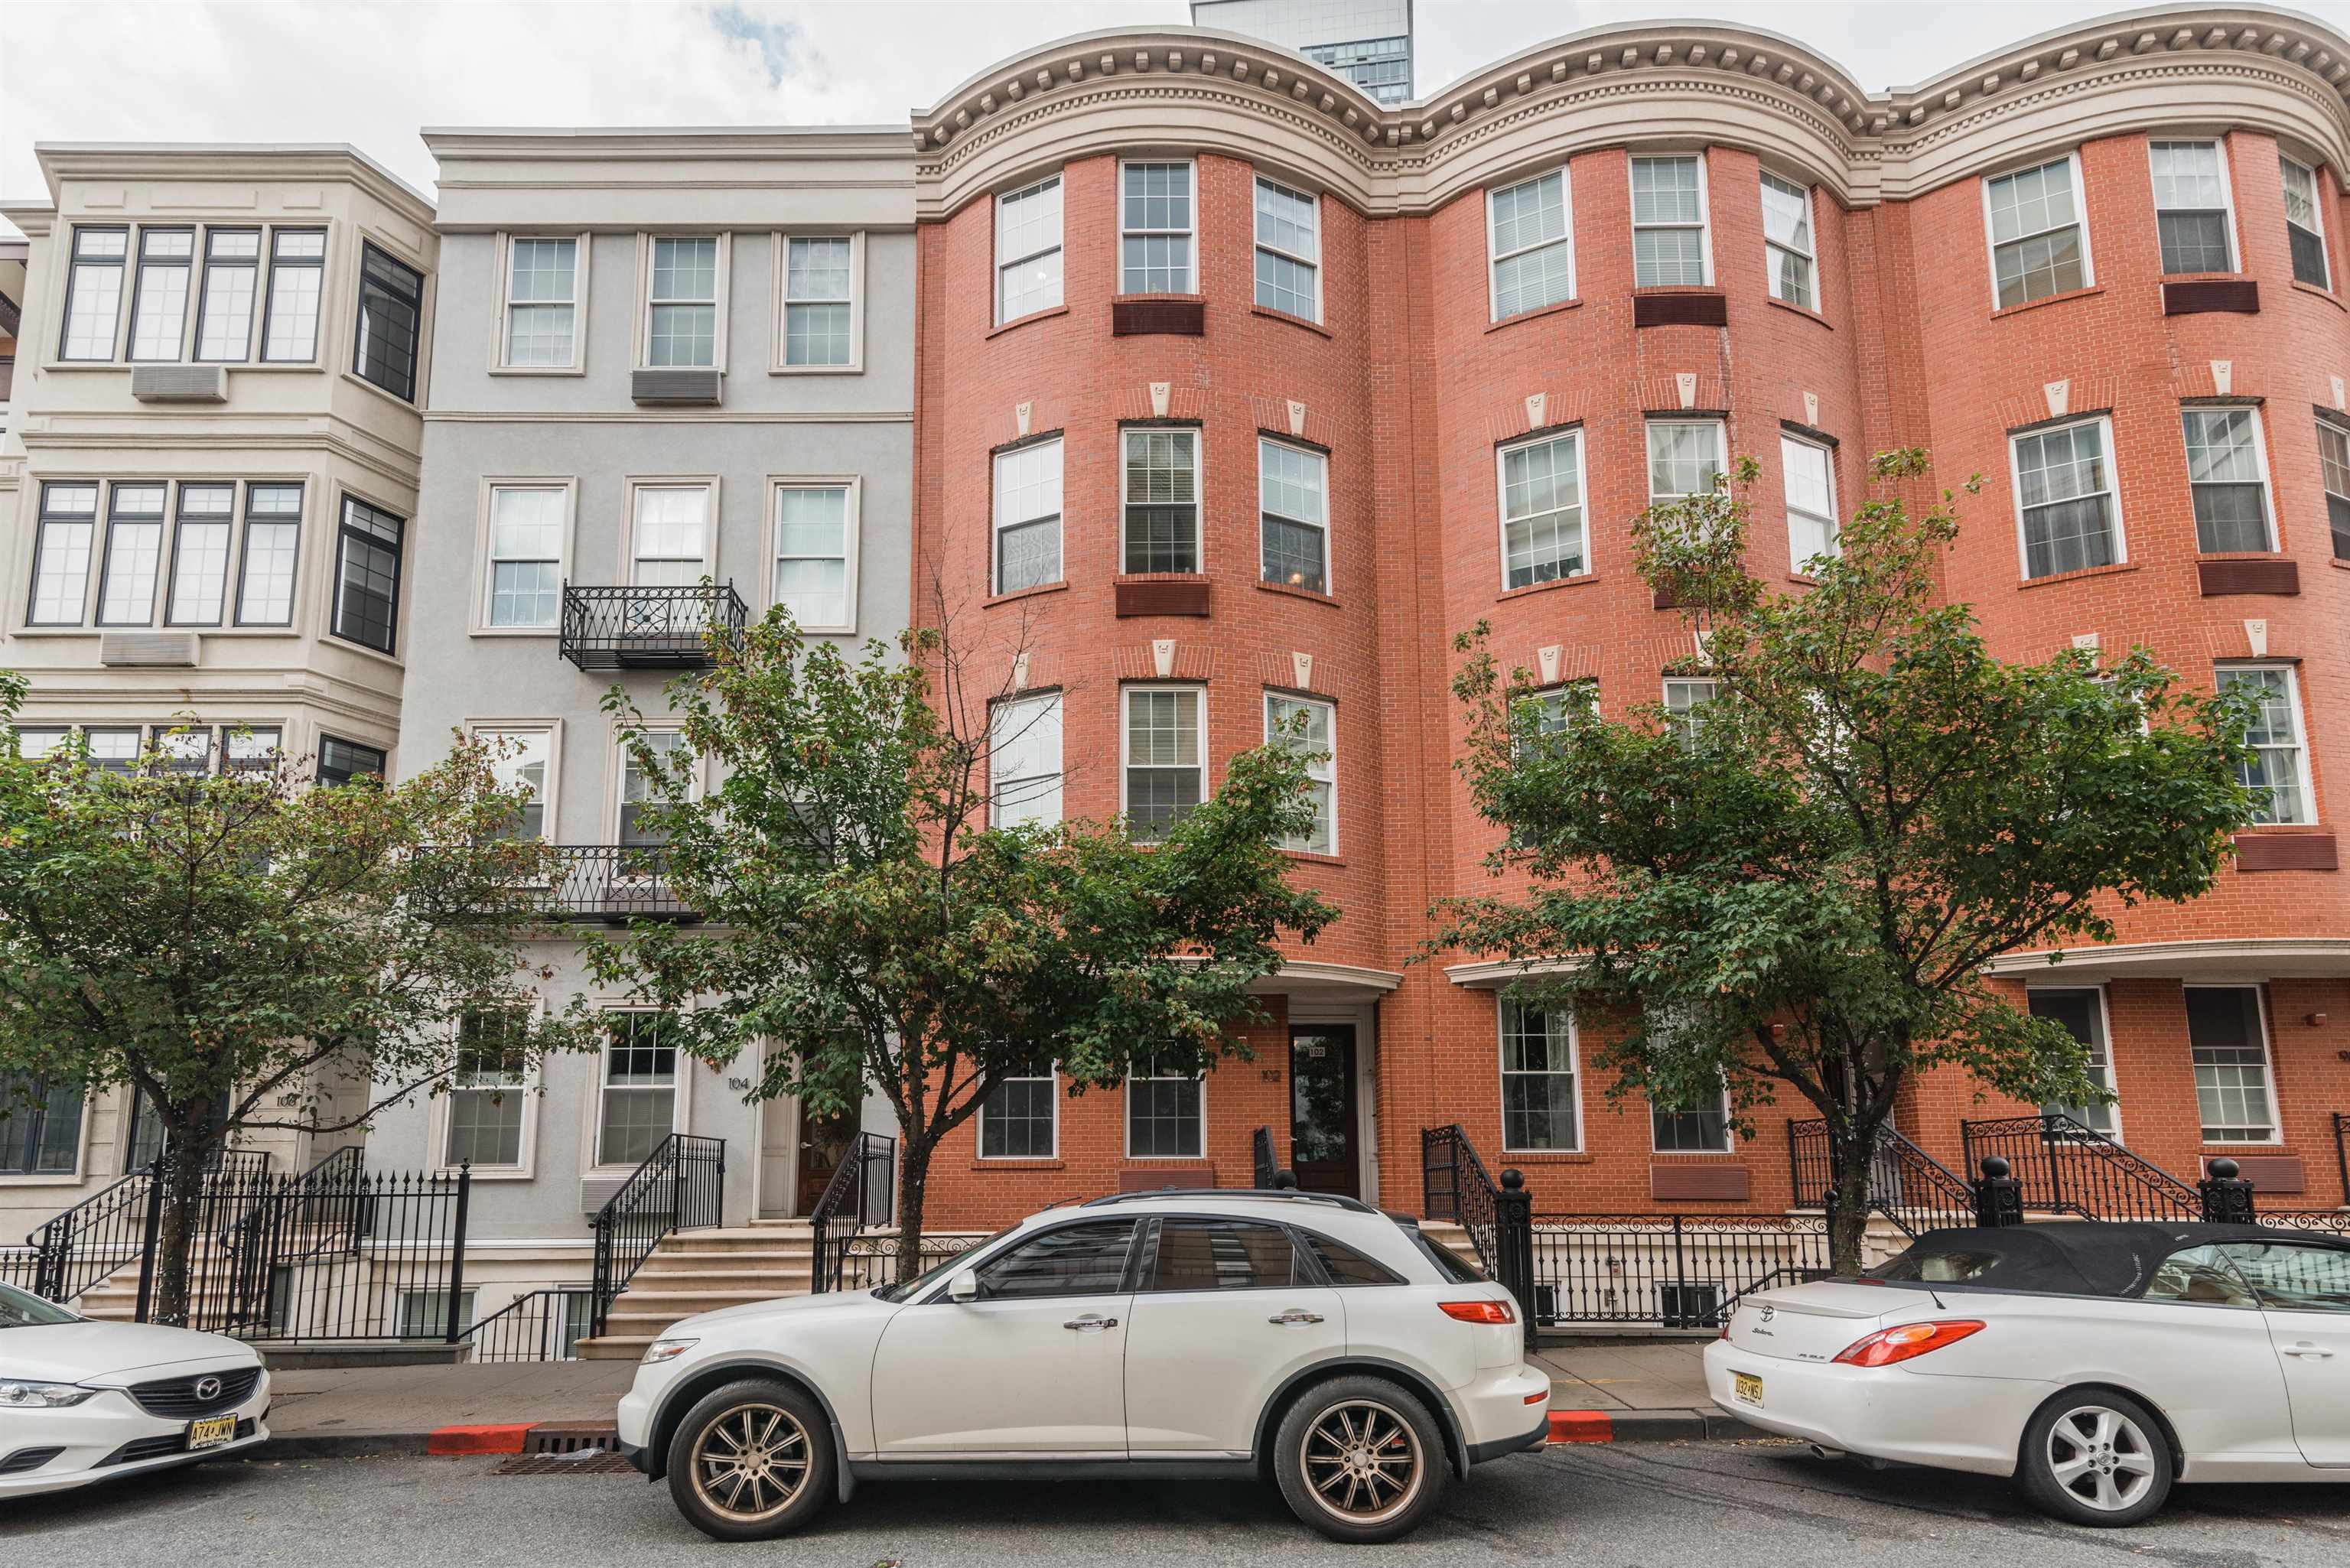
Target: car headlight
[667, 1350]
[17, 1394]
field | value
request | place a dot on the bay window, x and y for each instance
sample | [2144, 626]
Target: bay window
[2066, 513]
[2227, 473]
[1530, 245]
[2039, 245]
[1293, 486]
[1288, 250]
[1161, 505]
[1028, 250]
[1669, 228]
[1028, 517]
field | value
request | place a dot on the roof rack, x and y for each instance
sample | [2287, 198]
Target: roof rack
[1284, 1194]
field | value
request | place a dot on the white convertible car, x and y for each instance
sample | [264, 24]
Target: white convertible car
[2096, 1363]
[1310, 1339]
[82, 1401]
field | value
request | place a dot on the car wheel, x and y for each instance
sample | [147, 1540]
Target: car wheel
[2095, 1457]
[752, 1460]
[1359, 1459]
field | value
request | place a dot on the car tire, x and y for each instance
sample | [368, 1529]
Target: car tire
[752, 1460]
[1359, 1459]
[2096, 1456]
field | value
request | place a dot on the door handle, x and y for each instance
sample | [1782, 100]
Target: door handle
[1091, 1322]
[1294, 1316]
[2311, 1351]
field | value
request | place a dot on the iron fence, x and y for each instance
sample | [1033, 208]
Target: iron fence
[614, 883]
[21, 1267]
[869, 1261]
[1456, 1186]
[1675, 1270]
[1907, 1185]
[108, 1231]
[2063, 1166]
[648, 628]
[543, 1326]
[681, 1186]
[855, 1200]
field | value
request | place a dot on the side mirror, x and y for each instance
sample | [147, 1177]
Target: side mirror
[963, 1285]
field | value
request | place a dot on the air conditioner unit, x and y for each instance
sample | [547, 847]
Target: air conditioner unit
[680, 388]
[180, 383]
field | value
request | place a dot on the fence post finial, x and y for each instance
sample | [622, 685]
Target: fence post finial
[1999, 1197]
[2227, 1195]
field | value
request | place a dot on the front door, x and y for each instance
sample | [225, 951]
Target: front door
[823, 1141]
[1035, 1364]
[779, 1182]
[1321, 1108]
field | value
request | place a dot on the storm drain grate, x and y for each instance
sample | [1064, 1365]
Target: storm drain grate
[559, 1450]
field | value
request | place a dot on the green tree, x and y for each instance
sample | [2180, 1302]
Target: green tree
[865, 921]
[1797, 886]
[235, 947]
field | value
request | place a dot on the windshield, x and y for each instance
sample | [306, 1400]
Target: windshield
[947, 1264]
[18, 1310]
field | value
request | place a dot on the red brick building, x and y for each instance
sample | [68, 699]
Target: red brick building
[1238, 394]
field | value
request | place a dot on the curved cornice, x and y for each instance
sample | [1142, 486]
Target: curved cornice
[1691, 82]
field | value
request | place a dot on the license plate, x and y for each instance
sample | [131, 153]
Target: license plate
[211, 1433]
[1747, 1386]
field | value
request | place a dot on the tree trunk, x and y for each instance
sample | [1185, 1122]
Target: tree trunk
[913, 1172]
[181, 1171]
[1854, 1153]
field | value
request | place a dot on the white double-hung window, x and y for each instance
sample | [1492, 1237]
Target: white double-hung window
[2082, 1014]
[1028, 250]
[1540, 1108]
[1293, 517]
[2191, 215]
[1809, 476]
[1669, 244]
[1288, 250]
[2277, 772]
[638, 1097]
[525, 581]
[2304, 224]
[681, 302]
[1787, 240]
[816, 555]
[542, 302]
[487, 1092]
[670, 546]
[1161, 480]
[1028, 517]
[1309, 728]
[2039, 245]
[820, 301]
[1684, 458]
[2227, 1038]
[2066, 515]
[2228, 475]
[1530, 241]
[1023, 761]
[1166, 770]
[1542, 509]
[2334, 474]
[1154, 228]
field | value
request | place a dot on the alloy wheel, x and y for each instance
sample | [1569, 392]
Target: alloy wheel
[750, 1462]
[2101, 1458]
[1362, 1461]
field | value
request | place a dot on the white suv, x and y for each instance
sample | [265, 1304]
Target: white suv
[1217, 1334]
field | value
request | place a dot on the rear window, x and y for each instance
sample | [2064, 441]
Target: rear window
[1346, 1266]
[1939, 1268]
[1447, 1262]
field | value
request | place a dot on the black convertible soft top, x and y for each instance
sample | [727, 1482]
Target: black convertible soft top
[2083, 1257]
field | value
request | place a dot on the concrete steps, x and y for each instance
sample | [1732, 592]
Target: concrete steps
[696, 1272]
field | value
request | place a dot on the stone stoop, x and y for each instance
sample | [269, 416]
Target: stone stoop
[1445, 1233]
[701, 1271]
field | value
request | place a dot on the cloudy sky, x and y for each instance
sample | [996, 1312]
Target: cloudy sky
[369, 72]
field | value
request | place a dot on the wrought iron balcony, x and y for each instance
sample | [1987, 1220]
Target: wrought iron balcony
[613, 882]
[648, 628]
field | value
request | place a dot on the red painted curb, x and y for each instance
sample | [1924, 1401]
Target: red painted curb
[500, 1440]
[1582, 1426]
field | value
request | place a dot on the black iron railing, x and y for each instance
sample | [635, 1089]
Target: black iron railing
[650, 628]
[543, 1326]
[869, 1261]
[1671, 1271]
[1262, 1166]
[1907, 1185]
[109, 1230]
[338, 1252]
[857, 1198]
[2065, 1166]
[681, 1186]
[614, 883]
[1456, 1186]
[2342, 1152]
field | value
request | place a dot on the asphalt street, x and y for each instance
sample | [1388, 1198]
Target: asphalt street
[1760, 1504]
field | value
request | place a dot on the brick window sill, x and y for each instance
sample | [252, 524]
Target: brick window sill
[1030, 319]
[1537, 314]
[1311, 857]
[1059, 588]
[1315, 594]
[1548, 1157]
[2326, 294]
[1576, 580]
[2092, 290]
[2082, 575]
[1011, 1164]
[1271, 314]
[1792, 308]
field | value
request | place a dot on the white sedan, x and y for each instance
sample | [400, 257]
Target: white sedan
[2095, 1363]
[1308, 1339]
[83, 1401]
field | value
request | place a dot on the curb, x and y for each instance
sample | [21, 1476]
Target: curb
[1647, 1426]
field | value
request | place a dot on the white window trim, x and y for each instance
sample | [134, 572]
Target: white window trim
[484, 511]
[996, 522]
[1281, 694]
[1052, 695]
[581, 242]
[2112, 1064]
[644, 306]
[2113, 489]
[2316, 173]
[1494, 258]
[1501, 503]
[1125, 723]
[1191, 238]
[680, 1108]
[2260, 460]
[1810, 225]
[2080, 221]
[1051, 1075]
[626, 564]
[998, 261]
[616, 775]
[852, 537]
[1198, 494]
[549, 796]
[2218, 145]
[1329, 588]
[2292, 674]
[781, 263]
[1502, 1073]
[2268, 1066]
[1704, 223]
[1728, 1133]
[1721, 428]
[1835, 523]
[1126, 1119]
[525, 1166]
[1256, 244]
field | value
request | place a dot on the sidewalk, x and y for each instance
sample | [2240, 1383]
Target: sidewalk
[1622, 1392]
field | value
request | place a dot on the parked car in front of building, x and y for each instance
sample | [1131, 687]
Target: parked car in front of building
[2095, 1363]
[1215, 1335]
[83, 1401]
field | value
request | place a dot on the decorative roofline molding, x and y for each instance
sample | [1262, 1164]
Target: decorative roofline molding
[128, 161]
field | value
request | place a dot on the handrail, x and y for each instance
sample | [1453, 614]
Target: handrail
[537, 1325]
[2065, 1166]
[79, 1247]
[2342, 1152]
[681, 1186]
[854, 1199]
[1456, 1186]
[1907, 1185]
[1261, 1161]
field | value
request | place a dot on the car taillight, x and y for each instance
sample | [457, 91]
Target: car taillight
[1887, 1345]
[1480, 1311]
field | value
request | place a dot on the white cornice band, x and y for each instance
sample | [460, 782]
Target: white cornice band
[2245, 959]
